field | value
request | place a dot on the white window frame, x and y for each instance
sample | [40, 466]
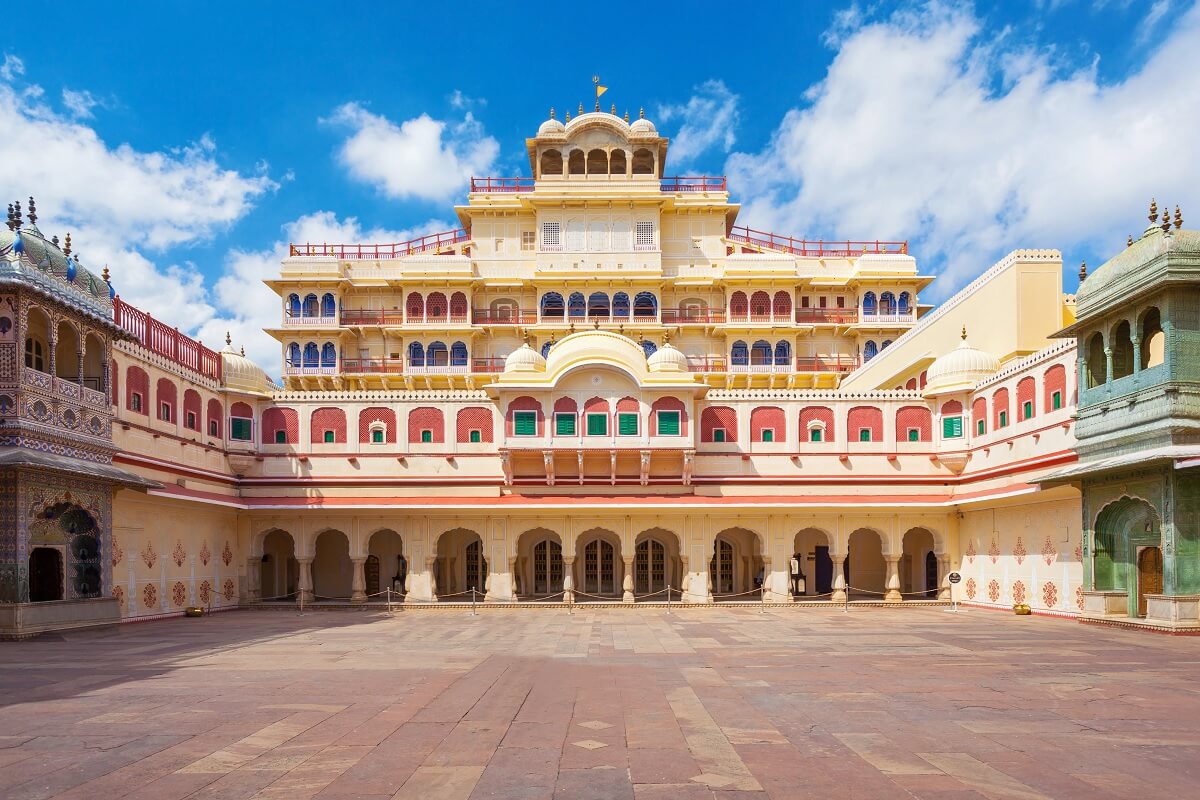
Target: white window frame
[658, 421]
[762, 435]
[381, 428]
[164, 411]
[528, 241]
[523, 412]
[645, 235]
[816, 425]
[587, 416]
[570, 414]
[135, 402]
[552, 236]
[860, 435]
[637, 417]
[724, 435]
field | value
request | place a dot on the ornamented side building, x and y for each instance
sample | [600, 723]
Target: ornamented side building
[600, 388]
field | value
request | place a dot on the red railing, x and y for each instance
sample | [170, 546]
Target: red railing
[804, 247]
[818, 315]
[685, 316]
[834, 363]
[372, 316]
[707, 363]
[488, 364]
[433, 242]
[484, 316]
[166, 341]
[496, 185]
[701, 183]
[390, 366]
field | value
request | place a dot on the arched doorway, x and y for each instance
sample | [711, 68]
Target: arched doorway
[332, 571]
[45, 574]
[599, 573]
[866, 570]
[656, 563]
[1149, 575]
[461, 564]
[386, 567]
[918, 553]
[811, 555]
[736, 567]
[73, 533]
[1124, 530]
[280, 571]
[538, 569]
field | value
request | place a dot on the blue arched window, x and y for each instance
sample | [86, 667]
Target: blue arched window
[783, 354]
[645, 304]
[293, 305]
[905, 303]
[649, 347]
[869, 303]
[760, 353]
[293, 356]
[328, 306]
[328, 355]
[620, 307]
[885, 344]
[546, 349]
[598, 304]
[312, 355]
[552, 304]
[416, 354]
[458, 354]
[870, 350]
[436, 355]
[575, 304]
[310, 306]
[739, 354]
[887, 303]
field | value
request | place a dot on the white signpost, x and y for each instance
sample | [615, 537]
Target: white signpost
[955, 578]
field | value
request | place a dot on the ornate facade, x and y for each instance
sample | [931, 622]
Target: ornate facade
[601, 388]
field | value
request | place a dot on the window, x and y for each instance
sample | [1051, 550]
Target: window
[328, 437]
[135, 402]
[377, 436]
[1027, 409]
[816, 435]
[1003, 419]
[823, 301]
[980, 429]
[212, 427]
[426, 436]
[551, 236]
[627, 424]
[475, 437]
[643, 236]
[191, 421]
[164, 411]
[34, 355]
[952, 427]
[241, 428]
[864, 434]
[280, 437]
[718, 434]
[524, 423]
[1056, 401]
[668, 423]
[768, 434]
[564, 424]
[597, 424]
[528, 240]
[914, 434]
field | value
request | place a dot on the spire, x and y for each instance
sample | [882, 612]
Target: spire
[1153, 211]
[964, 333]
[32, 211]
[243, 351]
[642, 113]
[568, 116]
[17, 212]
[105, 274]
[1178, 218]
[12, 221]
[627, 115]
[614, 109]
[228, 339]
[581, 106]
[67, 245]
[1082, 271]
[1166, 222]
[1129, 240]
[551, 112]
[54, 240]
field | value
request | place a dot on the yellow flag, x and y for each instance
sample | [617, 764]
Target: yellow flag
[600, 90]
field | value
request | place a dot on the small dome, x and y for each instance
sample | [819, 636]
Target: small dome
[242, 374]
[525, 359]
[644, 127]
[551, 127]
[667, 359]
[960, 369]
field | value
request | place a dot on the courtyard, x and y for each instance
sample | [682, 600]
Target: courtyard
[604, 703]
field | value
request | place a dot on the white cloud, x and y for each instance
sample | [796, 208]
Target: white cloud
[708, 119]
[12, 68]
[1157, 11]
[79, 103]
[461, 101]
[420, 158]
[248, 306]
[908, 137]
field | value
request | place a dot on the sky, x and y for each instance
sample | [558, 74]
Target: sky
[184, 145]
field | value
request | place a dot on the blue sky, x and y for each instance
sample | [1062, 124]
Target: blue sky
[185, 145]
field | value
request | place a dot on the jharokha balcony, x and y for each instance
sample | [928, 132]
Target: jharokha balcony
[820, 248]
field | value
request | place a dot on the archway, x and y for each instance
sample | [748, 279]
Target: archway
[332, 572]
[656, 563]
[915, 573]
[539, 567]
[866, 570]
[280, 571]
[72, 532]
[598, 568]
[1125, 530]
[461, 564]
[386, 567]
[66, 352]
[736, 568]
[810, 552]
[45, 574]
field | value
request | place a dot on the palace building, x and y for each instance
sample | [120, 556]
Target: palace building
[601, 388]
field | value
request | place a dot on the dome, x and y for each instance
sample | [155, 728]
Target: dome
[525, 359]
[960, 369]
[643, 127]
[551, 127]
[667, 358]
[242, 374]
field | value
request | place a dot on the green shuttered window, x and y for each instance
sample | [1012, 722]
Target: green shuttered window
[597, 424]
[952, 427]
[668, 423]
[525, 423]
[564, 424]
[627, 424]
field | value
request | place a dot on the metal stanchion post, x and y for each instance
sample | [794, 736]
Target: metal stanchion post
[846, 601]
[668, 598]
[389, 599]
[472, 601]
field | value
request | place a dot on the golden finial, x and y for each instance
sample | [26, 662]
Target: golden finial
[1153, 211]
[243, 351]
[581, 108]
[1082, 271]
[67, 245]
[666, 337]
[614, 109]
[228, 339]
[642, 113]
[964, 333]
[568, 116]
[1166, 223]
[551, 112]
[627, 115]
[104, 274]
[1129, 240]
[1178, 218]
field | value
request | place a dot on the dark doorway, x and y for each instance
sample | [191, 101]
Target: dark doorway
[371, 575]
[931, 574]
[1150, 575]
[45, 575]
[823, 569]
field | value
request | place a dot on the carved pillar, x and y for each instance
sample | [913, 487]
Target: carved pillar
[1108, 365]
[568, 579]
[431, 570]
[82, 346]
[892, 583]
[358, 583]
[512, 578]
[305, 592]
[1137, 351]
[627, 582]
[839, 578]
[53, 336]
[768, 593]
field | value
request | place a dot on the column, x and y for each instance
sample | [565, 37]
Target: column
[568, 579]
[839, 578]
[892, 584]
[358, 583]
[1136, 341]
[1108, 365]
[253, 580]
[305, 593]
[768, 592]
[944, 588]
[431, 571]
[627, 582]
[512, 580]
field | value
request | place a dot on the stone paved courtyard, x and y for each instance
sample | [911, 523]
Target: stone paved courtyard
[715, 703]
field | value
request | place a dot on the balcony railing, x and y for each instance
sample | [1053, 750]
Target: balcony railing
[484, 316]
[373, 366]
[700, 183]
[482, 364]
[707, 363]
[761, 319]
[297, 369]
[166, 341]
[889, 319]
[432, 243]
[497, 185]
[834, 363]
[817, 316]
[685, 316]
[302, 321]
[813, 249]
[372, 316]
[603, 319]
[761, 365]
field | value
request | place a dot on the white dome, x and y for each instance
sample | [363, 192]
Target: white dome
[667, 359]
[525, 359]
[242, 374]
[960, 369]
[643, 126]
[551, 127]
